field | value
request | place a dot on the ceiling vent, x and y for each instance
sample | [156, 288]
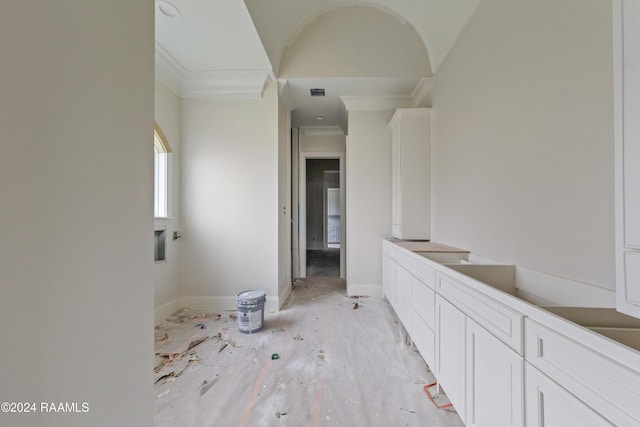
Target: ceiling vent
[317, 92]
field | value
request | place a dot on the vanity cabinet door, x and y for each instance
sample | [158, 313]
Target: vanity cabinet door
[450, 352]
[403, 295]
[626, 33]
[495, 395]
[423, 338]
[396, 285]
[410, 173]
[387, 276]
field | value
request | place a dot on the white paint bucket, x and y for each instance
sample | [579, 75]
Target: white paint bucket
[251, 311]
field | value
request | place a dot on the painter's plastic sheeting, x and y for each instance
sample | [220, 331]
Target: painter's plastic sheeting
[336, 366]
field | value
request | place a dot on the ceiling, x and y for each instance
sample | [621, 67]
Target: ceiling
[231, 49]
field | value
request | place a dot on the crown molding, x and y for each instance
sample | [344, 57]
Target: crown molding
[422, 112]
[284, 90]
[422, 93]
[209, 84]
[376, 103]
[236, 84]
[168, 71]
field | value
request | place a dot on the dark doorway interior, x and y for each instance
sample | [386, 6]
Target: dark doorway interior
[323, 254]
[323, 262]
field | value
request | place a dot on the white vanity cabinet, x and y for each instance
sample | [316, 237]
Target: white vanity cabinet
[408, 285]
[596, 377]
[495, 395]
[548, 404]
[503, 361]
[403, 283]
[450, 351]
[411, 173]
[423, 338]
[626, 28]
[423, 302]
[481, 374]
[397, 281]
[387, 275]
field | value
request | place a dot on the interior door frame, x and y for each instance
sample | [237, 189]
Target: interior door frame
[302, 200]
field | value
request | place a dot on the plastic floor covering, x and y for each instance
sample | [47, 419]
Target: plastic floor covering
[340, 362]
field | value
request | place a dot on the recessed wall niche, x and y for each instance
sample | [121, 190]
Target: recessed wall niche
[159, 245]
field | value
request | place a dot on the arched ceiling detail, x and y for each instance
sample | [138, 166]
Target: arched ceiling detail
[437, 22]
[355, 41]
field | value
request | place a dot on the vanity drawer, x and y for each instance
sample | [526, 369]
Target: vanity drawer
[425, 273]
[404, 260]
[424, 302]
[424, 338]
[608, 386]
[399, 255]
[503, 322]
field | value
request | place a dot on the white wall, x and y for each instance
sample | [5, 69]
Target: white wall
[229, 200]
[76, 222]
[368, 199]
[322, 143]
[523, 139]
[168, 111]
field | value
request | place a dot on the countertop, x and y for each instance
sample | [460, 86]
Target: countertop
[426, 246]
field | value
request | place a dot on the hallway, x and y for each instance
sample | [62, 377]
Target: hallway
[342, 362]
[323, 262]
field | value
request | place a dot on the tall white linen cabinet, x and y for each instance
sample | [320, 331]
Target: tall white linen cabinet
[411, 173]
[626, 37]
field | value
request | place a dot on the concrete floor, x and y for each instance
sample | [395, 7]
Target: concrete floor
[323, 262]
[337, 366]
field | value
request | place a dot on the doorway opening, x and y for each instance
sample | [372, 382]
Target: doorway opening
[321, 219]
[322, 184]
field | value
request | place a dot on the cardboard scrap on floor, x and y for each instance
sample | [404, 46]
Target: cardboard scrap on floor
[176, 336]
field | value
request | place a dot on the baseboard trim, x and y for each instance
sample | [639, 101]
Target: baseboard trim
[374, 291]
[209, 303]
[226, 303]
[219, 303]
[167, 309]
[284, 295]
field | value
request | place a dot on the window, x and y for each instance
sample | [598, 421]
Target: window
[161, 158]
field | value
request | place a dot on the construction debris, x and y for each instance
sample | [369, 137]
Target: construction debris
[177, 353]
[318, 366]
[165, 377]
[182, 316]
[206, 386]
[160, 362]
